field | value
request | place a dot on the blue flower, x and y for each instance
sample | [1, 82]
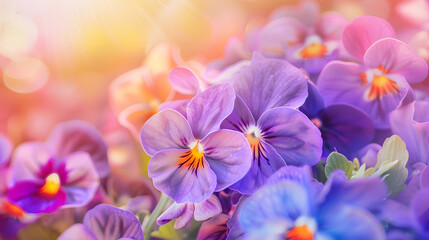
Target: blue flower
[293, 206]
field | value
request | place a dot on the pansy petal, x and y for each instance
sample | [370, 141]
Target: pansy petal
[420, 210]
[270, 83]
[330, 26]
[285, 200]
[185, 217]
[229, 156]
[214, 228]
[207, 209]
[77, 231]
[26, 194]
[208, 109]
[166, 130]
[301, 175]
[178, 105]
[82, 179]
[263, 166]
[110, 223]
[174, 211]
[5, 150]
[356, 192]
[292, 134]
[359, 35]
[74, 136]
[412, 133]
[178, 182]
[351, 223]
[240, 118]
[184, 81]
[314, 102]
[397, 57]
[28, 159]
[279, 34]
[345, 129]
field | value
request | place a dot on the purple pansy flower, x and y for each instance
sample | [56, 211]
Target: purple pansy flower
[293, 206]
[377, 84]
[105, 222]
[41, 182]
[309, 43]
[411, 123]
[60, 173]
[192, 158]
[268, 91]
[344, 128]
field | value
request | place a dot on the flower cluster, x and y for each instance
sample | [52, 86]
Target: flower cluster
[313, 126]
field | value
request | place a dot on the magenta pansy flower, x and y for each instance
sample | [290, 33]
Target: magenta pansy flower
[192, 157]
[268, 93]
[379, 82]
[60, 173]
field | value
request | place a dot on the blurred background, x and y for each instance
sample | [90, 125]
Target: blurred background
[57, 58]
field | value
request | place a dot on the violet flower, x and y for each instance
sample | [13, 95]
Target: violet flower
[105, 222]
[293, 206]
[379, 83]
[192, 158]
[61, 173]
[268, 91]
[308, 43]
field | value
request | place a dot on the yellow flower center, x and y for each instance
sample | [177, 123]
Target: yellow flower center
[381, 85]
[299, 233]
[315, 50]
[193, 158]
[52, 186]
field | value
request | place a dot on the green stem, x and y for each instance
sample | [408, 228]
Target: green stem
[148, 228]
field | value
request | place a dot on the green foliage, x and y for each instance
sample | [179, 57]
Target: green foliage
[336, 161]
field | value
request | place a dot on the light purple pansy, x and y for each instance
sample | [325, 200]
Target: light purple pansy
[42, 182]
[192, 157]
[79, 136]
[268, 91]
[308, 42]
[411, 123]
[378, 84]
[184, 212]
[105, 222]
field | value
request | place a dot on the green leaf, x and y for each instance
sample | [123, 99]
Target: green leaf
[166, 231]
[338, 161]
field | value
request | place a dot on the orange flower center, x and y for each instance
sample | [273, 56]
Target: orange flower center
[52, 186]
[381, 85]
[299, 233]
[315, 50]
[13, 210]
[193, 158]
